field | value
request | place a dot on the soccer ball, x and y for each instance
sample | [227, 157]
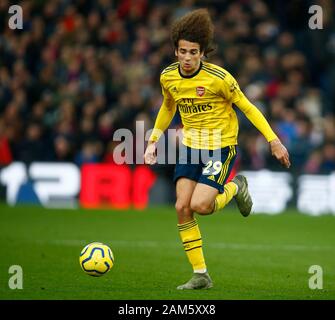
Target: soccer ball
[96, 259]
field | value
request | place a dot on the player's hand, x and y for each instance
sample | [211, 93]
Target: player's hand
[279, 151]
[150, 156]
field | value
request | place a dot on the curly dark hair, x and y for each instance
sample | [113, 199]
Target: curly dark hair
[196, 26]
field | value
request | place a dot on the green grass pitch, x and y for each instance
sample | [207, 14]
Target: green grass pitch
[259, 257]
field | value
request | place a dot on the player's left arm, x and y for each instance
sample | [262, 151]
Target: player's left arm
[256, 117]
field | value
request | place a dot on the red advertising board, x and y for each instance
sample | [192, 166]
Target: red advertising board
[115, 186]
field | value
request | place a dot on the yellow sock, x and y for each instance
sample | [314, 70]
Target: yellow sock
[191, 238]
[223, 199]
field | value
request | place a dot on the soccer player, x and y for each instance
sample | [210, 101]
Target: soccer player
[204, 94]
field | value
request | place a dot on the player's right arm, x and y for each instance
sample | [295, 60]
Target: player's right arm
[163, 120]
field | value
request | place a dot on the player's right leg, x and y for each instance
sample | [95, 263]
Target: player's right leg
[184, 191]
[190, 235]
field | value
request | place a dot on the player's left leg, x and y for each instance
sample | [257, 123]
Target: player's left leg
[212, 193]
[206, 199]
[203, 198]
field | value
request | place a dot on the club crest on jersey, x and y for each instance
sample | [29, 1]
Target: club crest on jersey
[200, 91]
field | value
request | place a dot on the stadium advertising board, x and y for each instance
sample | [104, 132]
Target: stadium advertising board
[64, 185]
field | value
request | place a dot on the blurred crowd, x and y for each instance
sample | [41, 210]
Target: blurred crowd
[79, 70]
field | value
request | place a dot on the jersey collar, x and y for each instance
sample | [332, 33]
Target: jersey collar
[191, 75]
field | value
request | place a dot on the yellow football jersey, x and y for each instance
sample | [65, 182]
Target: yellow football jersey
[204, 101]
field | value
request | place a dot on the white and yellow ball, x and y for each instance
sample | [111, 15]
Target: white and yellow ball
[96, 259]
